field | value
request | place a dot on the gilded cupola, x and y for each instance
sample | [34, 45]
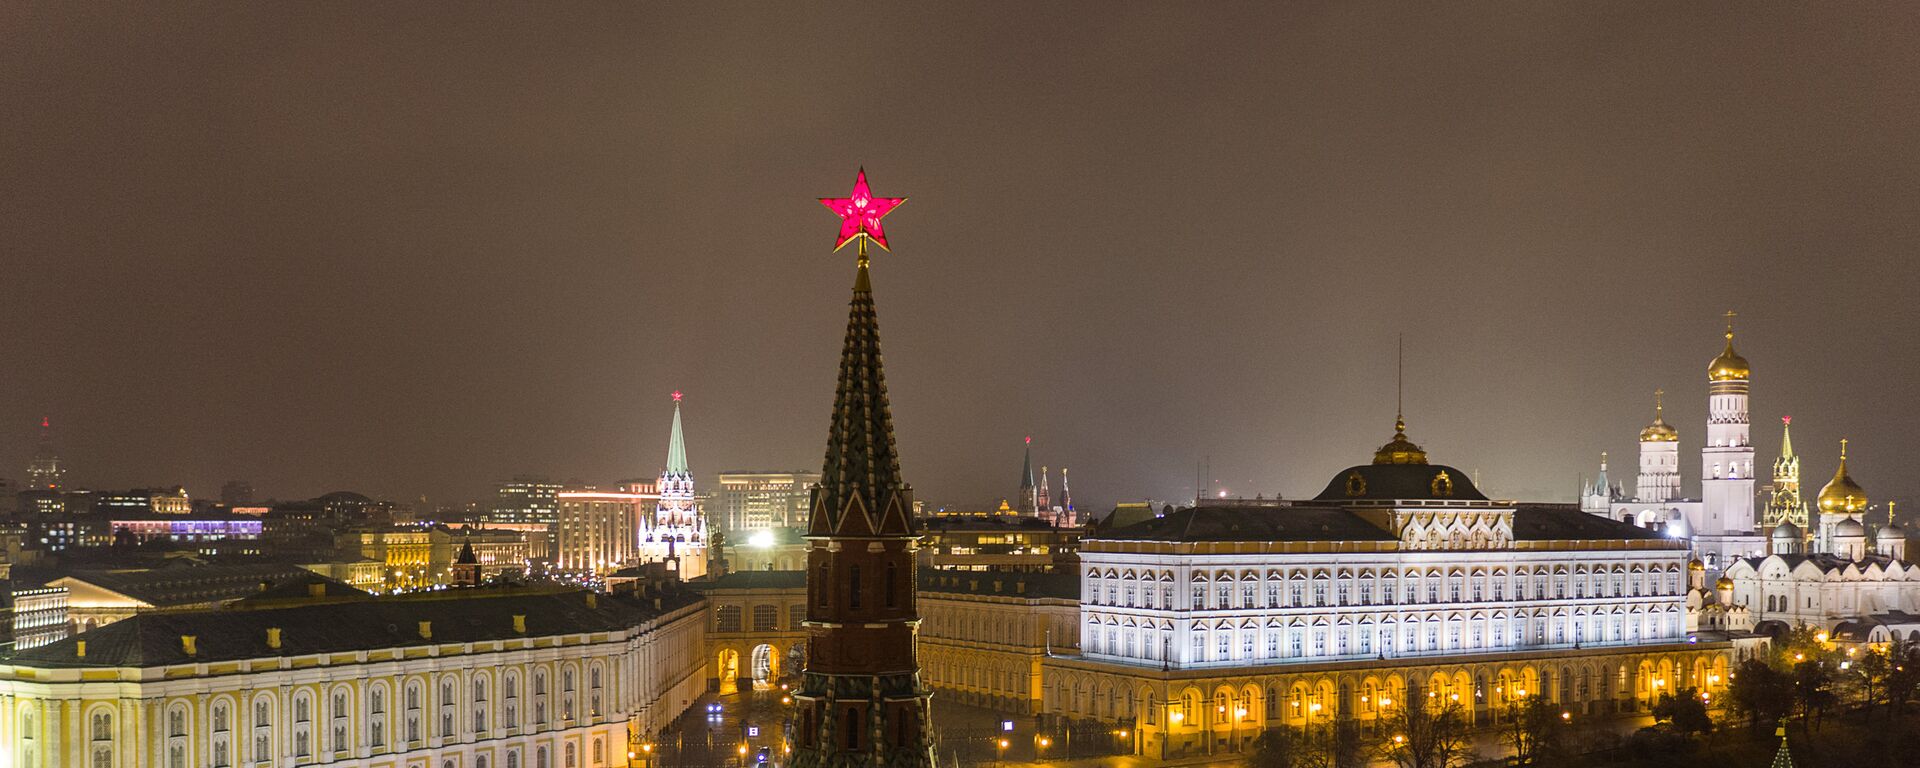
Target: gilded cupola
[1659, 431]
[1729, 366]
[1841, 494]
[1400, 450]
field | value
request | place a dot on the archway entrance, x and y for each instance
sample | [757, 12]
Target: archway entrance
[765, 665]
[727, 669]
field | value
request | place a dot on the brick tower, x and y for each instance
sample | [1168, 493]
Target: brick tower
[860, 701]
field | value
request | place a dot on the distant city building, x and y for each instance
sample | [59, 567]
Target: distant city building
[186, 528]
[419, 557]
[46, 472]
[471, 677]
[595, 532]
[236, 493]
[65, 532]
[525, 499]
[676, 532]
[995, 543]
[767, 549]
[758, 500]
[143, 501]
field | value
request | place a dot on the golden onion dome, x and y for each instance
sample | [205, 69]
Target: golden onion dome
[1696, 565]
[1659, 431]
[1729, 366]
[1842, 494]
[1723, 583]
[1400, 450]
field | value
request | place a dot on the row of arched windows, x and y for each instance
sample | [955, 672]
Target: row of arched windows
[1326, 587]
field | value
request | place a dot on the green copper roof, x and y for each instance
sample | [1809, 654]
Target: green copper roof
[676, 445]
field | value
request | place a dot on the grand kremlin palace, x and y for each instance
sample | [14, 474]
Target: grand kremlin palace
[1202, 627]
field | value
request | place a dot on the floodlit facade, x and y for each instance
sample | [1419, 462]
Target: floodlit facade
[1201, 628]
[479, 681]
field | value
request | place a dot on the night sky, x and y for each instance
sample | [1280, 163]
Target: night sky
[406, 251]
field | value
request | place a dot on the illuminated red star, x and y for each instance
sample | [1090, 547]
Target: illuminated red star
[860, 213]
[676, 395]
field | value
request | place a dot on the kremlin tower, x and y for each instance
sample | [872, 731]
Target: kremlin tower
[676, 533]
[1784, 504]
[861, 701]
[1029, 495]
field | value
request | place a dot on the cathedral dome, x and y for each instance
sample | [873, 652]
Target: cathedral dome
[1890, 532]
[1729, 366]
[1659, 431]
[1842, 494]
[1723, 583]
[1849, 528]
[1696, 565]
[1400, 450]
[1786, 530]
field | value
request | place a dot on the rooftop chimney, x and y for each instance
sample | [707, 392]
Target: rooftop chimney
[80, 650]
[426, 630]
[520, 623]
[593, 600]
[273, 638]
[187, 644]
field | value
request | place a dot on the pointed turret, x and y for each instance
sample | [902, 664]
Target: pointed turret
[1043, 499]
[676, 444]
[861, 475]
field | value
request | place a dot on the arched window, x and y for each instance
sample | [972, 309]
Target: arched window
[377, 717]
[262, 729]
[101, 741]
[510, 700]
[479, 705]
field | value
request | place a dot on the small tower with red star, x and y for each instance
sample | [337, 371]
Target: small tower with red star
[860, 700]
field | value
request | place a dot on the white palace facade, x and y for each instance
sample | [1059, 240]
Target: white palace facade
[1208, 624]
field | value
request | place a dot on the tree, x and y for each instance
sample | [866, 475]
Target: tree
[1759, 692]
[1812, 685]
[1337, 744]
[1900, 685]
[1536, 731]
[1685, 710]
[1428, 732]
[1871, 672]
[1278, 747]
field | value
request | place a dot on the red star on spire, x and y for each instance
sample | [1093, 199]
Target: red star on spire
[860, 213]
[676, 395]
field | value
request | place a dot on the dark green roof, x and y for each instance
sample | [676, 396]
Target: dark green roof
[754, 580]
[457, 616]
[1252, 523]
[1407, 482]
[1004, 583]
[186, 584]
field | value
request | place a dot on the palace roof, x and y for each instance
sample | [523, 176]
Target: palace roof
[1326, 522]
[455, 616]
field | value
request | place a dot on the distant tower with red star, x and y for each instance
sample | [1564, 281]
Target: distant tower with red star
[677, 532]
[860, 700]
[45, 472]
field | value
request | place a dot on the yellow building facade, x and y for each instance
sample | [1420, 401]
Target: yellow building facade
[473, 679]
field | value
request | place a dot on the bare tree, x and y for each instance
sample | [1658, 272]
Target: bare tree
[1428, 732]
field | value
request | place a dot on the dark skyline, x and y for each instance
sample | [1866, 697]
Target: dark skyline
[397, 250]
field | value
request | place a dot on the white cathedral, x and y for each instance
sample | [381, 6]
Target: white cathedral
[1834, 571]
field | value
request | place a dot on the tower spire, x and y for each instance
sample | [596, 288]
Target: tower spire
[676, 443]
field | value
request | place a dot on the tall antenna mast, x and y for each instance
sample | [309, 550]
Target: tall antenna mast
[1400, 379]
